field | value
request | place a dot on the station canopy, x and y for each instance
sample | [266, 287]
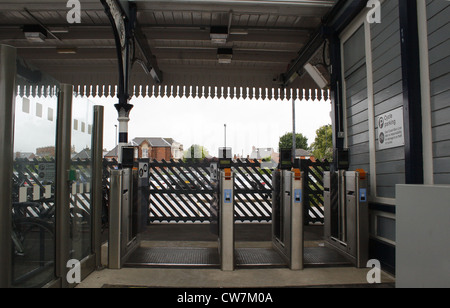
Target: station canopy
[222, 48]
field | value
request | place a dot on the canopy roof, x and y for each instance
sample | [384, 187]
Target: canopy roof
[265, 37]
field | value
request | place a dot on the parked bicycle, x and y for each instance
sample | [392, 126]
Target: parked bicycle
[33, 240]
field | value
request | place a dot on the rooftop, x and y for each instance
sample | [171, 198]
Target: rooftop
[156, 142]
[176, 38]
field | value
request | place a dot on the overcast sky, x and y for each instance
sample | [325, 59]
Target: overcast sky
[258, 123]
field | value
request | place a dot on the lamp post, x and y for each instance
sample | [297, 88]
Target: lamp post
[225, 135]
[294, 139]
[116, 135]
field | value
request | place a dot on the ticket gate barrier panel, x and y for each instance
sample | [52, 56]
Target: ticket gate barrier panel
[123, 216]
[214, 203]
[143, 194]
[347, 215]
[226, 220]
[287, 217]
[333, 208]
[222, 217]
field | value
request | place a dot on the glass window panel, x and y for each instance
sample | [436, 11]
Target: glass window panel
[80, 198]
[25, 105]
[33, 193]
[50, 114]
[39, 110]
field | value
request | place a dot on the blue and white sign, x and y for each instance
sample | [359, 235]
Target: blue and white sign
[227, 196]
[362, 195]
[298, 196]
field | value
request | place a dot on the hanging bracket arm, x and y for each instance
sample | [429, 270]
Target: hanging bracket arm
[149, 63]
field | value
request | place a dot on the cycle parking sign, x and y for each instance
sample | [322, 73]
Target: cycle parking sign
[46, 171]
[389, 132]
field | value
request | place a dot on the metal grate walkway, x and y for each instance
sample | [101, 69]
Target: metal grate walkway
[245, 257]
[174, 257]
[258, 257]
[323, 257]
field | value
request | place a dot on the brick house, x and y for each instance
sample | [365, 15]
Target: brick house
[150, 147]
[111, 154]
[264, 153]
[153, 148]
[177, 149]
[46, 151]
[304, 154]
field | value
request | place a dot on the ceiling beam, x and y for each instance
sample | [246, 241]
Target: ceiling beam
[47, 5]
[174, 69]
[291, 48]
[148, 59]
[84, 33]
[260, 37]
[299, 8]
[104, 33]
[81, 54]
[165, 55]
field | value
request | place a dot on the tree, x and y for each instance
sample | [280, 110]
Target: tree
[301, 142]
[195, 153]
[322, 148]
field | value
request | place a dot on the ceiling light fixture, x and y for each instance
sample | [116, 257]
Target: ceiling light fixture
[219, 35]
[225, 55]
[238, 32]
[316, 75]
[66, 51]
[59, 29]
[35, 33]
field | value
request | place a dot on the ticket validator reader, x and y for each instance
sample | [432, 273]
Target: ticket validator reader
[346, 214]
[123, 210]
[287, 211]
[222, 208]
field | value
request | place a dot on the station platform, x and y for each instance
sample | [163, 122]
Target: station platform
[185, 256]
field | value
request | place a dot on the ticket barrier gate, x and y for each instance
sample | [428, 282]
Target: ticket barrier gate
[123, 216]
[346, 214]
[287, 217]
[287, 226]
[222, 217]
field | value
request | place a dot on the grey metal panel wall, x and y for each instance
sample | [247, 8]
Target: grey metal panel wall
[438, 12]
[387, 83]
[355, 74]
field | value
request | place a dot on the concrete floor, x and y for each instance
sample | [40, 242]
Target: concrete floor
[177, 235]
[215, 278]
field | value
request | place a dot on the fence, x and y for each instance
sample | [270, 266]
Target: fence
[34, 181]
[179, 192]
[313, 194]
[182, 192]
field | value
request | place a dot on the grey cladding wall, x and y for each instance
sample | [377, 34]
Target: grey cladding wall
[388, 93]
[355, 74]
[438, 12]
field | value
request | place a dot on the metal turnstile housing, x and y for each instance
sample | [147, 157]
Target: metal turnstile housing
[347, 214]
[287, 217]
[226, 221]
[123, 216]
